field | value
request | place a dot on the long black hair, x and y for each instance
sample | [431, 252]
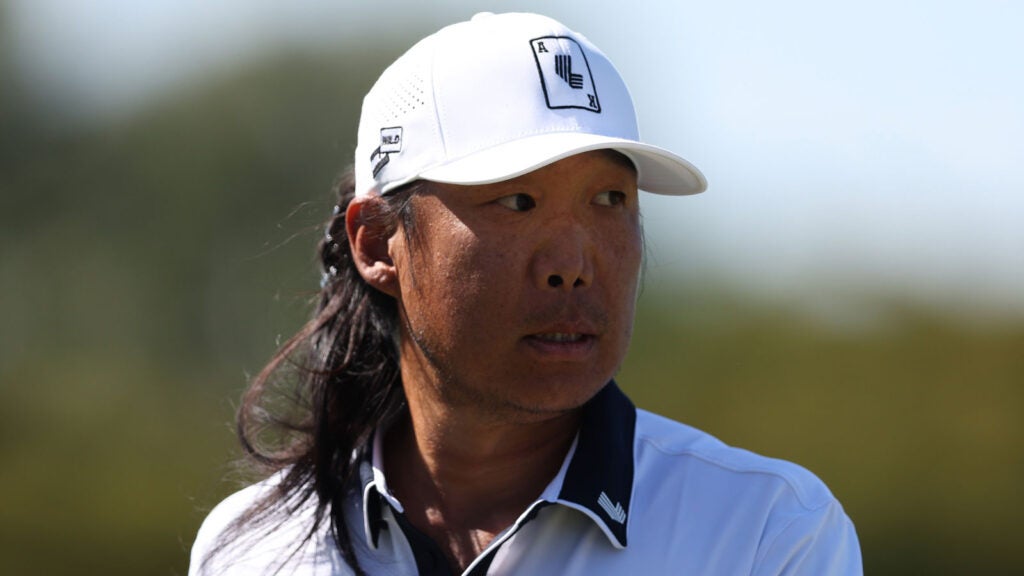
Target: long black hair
[318, 400]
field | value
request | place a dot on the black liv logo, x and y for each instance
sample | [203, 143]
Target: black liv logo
[565, 75]
[563, 67]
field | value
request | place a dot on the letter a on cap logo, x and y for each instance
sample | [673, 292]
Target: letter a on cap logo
[564, 73]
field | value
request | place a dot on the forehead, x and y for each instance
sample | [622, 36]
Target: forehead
[599, 163]
[615, 157]
[599, 168]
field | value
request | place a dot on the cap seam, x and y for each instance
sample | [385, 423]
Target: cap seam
[438, 124]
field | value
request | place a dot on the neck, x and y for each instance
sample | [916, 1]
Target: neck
[462, 477]
[463, 460]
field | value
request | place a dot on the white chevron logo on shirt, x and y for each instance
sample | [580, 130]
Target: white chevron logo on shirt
[615, 511]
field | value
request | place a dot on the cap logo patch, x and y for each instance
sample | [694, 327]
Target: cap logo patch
[390, 143]
[564, 73]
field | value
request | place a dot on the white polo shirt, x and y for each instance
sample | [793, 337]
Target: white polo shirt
[636, 494]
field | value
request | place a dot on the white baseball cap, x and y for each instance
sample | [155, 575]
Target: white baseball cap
[499, 96]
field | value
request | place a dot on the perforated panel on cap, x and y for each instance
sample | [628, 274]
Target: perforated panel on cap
[402, 94]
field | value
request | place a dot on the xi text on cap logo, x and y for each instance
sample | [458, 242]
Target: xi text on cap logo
[564, 73]
[390, 143]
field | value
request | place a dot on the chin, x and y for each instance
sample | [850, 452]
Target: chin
[561, 397]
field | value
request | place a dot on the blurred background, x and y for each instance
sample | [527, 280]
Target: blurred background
[849, 294]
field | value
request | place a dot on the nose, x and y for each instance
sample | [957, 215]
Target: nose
[564, 259]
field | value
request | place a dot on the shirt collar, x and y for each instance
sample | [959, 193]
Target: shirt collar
[596, 478]
[599, 479]
[375, 489]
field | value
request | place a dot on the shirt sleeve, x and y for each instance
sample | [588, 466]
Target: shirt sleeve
[216, 522]
[819, 542]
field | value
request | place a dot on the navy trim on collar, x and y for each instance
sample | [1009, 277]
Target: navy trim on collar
[600, 475]
[598, 481]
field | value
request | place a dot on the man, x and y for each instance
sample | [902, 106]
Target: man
[457, 411]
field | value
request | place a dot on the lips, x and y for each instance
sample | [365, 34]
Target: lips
[562, 344]
[568, 330]
[560, 336]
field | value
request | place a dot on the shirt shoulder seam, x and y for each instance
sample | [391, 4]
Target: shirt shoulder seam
[794, 485]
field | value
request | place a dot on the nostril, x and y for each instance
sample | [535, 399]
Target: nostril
[555, 281]
[578, 283]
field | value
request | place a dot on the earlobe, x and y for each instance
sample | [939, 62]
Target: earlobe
[369, 238]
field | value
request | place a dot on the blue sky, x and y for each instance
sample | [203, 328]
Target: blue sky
[871, 145]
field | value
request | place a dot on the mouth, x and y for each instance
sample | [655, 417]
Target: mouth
[562, 346]
[560, 337]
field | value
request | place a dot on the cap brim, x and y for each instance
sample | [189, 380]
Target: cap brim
[658, 171]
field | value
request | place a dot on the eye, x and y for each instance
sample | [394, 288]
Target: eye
[610, 198]
[518, 202]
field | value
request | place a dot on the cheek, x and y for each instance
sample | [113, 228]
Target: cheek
[446, 282]
[624, 250]
[480, 277]
[628, 301]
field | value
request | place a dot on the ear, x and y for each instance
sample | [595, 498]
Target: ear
[369, 240]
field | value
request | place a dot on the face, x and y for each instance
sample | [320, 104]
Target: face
[517, 298]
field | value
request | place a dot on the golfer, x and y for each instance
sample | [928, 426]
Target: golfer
[451, 408]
